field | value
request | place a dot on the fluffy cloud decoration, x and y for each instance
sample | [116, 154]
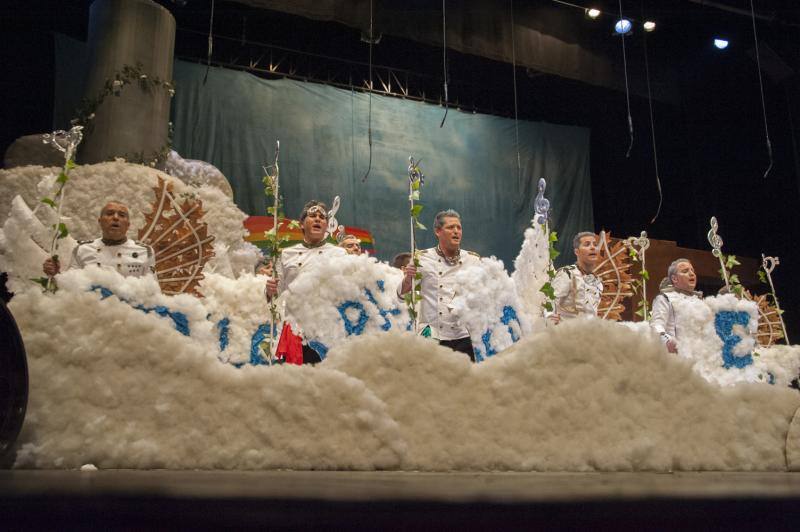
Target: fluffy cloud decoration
[530, 271]
[488, 307]
[345, 296]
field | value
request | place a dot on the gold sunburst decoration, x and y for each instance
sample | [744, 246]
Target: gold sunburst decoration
[770, 327]
[613, 269]
[179, 238]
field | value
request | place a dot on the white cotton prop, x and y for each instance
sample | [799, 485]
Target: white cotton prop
[91, 186]
[530, 271]
[782, 362]
[115, 387]
[331, 300]
[25, 244]
[586, 395]
[243, 257]
[243, 304]
[700, 340]
[197, 173]
[488, 306]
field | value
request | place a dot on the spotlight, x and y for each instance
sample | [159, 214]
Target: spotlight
[721, 43]
[649, 25]
[623, 26]
[592, 13]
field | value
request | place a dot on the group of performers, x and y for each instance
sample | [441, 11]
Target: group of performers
[577, 290]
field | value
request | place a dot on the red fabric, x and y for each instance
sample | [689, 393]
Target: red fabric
[290, 346]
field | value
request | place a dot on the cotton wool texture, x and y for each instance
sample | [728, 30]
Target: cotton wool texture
[118, 388]
[112, 386]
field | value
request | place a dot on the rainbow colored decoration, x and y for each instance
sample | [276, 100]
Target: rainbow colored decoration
[258, 225]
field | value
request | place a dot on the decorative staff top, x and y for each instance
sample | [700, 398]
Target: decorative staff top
[714, 239]
[769, 263]
[333, 223]
[65, 141]
[414, 173]
[541, 204]
[641, 242]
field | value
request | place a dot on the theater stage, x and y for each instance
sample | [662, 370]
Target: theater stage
[289, 500]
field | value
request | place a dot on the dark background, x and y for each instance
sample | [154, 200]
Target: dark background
[709, 128]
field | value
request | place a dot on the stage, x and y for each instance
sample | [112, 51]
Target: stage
[398, 500]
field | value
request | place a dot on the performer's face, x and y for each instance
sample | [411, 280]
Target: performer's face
[587, 253]
[352, 246]
[684, 277]
[449, 234]
[314, 225]
[265, 269]
[114, 221]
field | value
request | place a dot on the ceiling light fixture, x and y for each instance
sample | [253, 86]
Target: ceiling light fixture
[623, 26]
[721, 43]
[649, 25]
[592, 13]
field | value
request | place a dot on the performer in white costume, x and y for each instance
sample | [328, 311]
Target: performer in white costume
[679, 283]
[438, 266]
[351, 244]
[294, 259]
[114, 250]
[577, 290]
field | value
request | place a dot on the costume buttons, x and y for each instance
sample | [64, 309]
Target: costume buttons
[320, 252]
[440, 273]
[441, 286]
[440, 313]
[119, 254]
[299, 263]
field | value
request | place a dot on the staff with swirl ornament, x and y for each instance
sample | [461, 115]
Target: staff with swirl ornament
[415, 181]
[271, 182]
[716, 249]
[642, 243]
[768, 264]
[66, 142]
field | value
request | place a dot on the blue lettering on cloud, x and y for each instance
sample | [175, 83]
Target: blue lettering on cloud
[179, 319]
[509, 315]
[724, 322]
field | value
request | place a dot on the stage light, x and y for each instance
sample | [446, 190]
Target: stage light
[649, 25]
[592, 13]
[623, 26]
[721, 43]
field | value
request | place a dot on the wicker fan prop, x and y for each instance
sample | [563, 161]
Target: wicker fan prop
[179, 239]
[770, 328]
[614, 272]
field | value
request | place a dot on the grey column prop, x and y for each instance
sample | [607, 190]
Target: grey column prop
[135, 123]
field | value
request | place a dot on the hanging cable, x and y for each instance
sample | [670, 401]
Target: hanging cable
[761, 86]
[369, 95]
[652, 124]
[516, 109]
[444, 61]
[627, 90]
[210, 42]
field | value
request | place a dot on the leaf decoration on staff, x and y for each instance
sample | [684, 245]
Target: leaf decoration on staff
[613, 270]
[66, 142]
[541, 206]
[179, 238]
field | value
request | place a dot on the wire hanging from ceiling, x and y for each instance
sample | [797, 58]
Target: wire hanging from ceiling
[444, 61]
[369, 95]
[627, 89]
[210, 41]
[652, 124]
[761, 86]
[516, 108]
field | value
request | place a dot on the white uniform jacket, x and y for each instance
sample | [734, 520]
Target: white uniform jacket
[577, 294]
[130, 259]
[438, 290]
[662, 317]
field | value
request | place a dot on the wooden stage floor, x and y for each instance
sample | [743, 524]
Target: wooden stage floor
[344, 500]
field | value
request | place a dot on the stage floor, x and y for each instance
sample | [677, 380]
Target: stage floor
[398, 500]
